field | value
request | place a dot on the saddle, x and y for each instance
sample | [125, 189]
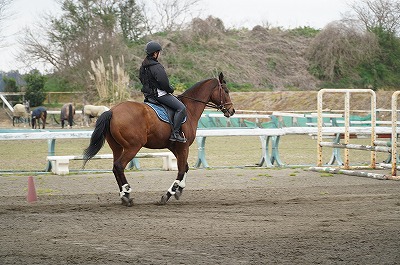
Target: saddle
[164, 113]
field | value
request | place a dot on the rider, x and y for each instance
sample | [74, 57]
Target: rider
[156, 86]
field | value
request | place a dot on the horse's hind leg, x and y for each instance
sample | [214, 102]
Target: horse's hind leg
[121, 160]
[124, 187]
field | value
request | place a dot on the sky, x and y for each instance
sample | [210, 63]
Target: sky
[234, 13]
[284, 13]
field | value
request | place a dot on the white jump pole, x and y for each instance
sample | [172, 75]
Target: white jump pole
[395, 96]
[376, 146]
[358, 147]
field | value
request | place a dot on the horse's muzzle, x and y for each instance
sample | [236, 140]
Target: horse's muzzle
[228, 112]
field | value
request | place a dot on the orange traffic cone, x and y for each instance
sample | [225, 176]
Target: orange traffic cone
[31, 197]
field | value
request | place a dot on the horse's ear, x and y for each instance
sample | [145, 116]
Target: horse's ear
[221, 77]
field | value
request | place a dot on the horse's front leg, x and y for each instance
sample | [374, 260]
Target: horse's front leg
[177, 186]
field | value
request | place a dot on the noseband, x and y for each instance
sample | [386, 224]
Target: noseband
[221, 106]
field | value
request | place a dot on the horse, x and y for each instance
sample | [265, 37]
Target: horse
[130, 125]
[38, 114]
[92, 111]
[67, 114]
[21, 112]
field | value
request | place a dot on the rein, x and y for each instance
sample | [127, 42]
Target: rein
[221, 106]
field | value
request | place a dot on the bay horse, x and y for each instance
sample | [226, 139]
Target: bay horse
[129, 126]
[38, 114]
[67, 114]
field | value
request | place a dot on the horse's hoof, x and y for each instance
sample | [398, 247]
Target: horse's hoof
[164, 199]
[178, 193]
[128, 202]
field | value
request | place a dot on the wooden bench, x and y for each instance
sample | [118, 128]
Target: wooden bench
[60, 164]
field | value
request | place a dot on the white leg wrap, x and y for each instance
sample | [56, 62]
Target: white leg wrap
[174, 184]
[177, 183]
[182, 184]
[125, 189]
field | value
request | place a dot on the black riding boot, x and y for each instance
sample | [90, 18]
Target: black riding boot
[178, 119]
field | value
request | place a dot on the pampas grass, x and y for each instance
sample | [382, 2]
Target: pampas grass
[111, 81]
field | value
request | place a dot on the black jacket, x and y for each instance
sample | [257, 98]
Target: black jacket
[152, 75]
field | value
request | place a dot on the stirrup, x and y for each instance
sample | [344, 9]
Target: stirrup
[176, 137]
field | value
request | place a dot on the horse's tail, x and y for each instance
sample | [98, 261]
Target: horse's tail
[70, 115]
[98, 136]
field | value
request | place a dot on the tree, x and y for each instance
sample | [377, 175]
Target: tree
[339, 49]
[10, 84]
[172, 14]
[382, 18]
[131, 20]
[383, 14]
[207, 28]
[83, 31]
[4, 6]
[35, 88]
[86, 30]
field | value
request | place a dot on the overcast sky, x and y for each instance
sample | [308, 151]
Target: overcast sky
[285, 13]
[234, 13]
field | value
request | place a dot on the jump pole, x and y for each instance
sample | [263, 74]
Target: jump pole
[347, 93]
[376, 146]
[395, 96]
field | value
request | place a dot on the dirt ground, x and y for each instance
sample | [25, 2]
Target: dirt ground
[225, 216]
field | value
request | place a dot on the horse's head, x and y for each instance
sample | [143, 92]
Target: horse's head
[27, 107]
[220, 97]
[212, 93]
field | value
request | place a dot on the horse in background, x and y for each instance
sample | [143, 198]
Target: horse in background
[39, 114]
[92, 111]
[67, 114]
[21, 113]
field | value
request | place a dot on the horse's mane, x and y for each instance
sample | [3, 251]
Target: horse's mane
[200, 83]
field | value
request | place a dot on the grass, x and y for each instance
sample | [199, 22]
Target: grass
[326, 175]
[265, 175]
[232, 151]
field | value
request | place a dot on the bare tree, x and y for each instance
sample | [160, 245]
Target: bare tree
[207, 28]
[339, 48]
[4, 14]
[4, 5]
[384, 14]
[86, 30]
[36, 49]
[170, 14]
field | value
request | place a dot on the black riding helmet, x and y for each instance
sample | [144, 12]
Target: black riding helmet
[152, 47]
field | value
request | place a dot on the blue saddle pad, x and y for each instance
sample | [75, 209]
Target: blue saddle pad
[161, 112]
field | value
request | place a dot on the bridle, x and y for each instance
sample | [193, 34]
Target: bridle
[221, 106]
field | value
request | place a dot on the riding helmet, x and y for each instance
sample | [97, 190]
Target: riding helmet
[152, 47]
